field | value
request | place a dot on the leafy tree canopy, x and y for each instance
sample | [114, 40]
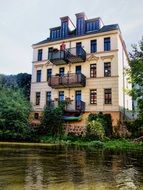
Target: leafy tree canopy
[135, 75]
[14, 113]
[21, 80]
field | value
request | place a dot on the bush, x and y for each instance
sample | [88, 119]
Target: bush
[95, 130]
[52, 121]
[105, 120]
[135, 127]
[14, 113]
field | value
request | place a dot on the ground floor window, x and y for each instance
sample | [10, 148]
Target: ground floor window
[37, 98]
[36, 115]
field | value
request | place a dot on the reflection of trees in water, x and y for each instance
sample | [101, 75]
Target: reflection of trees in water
[78, 166]
[34, 174]
[125, 179]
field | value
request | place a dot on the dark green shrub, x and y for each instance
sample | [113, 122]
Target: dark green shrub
[14, 113]
[105, 120]
[52, 121]
[95, 129]
[135, 127]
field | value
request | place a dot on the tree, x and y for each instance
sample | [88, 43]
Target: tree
[20, 81]
[52, 121]
[135, 76]
[14, 113]
[24, 82]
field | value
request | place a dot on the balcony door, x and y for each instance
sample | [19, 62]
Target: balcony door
[61, 71]
[78, 49]
[78, 69]
[61, 96]
[78, 99]
[48, 98]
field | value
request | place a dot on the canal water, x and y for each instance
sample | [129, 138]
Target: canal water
[69, 168]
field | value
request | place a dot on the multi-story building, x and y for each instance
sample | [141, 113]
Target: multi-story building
[83, 66]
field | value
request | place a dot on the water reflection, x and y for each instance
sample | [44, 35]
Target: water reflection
[70, 168]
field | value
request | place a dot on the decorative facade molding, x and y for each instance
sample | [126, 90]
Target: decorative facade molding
[38, 65]
[92, 57]
[48, 63]
[107, 57]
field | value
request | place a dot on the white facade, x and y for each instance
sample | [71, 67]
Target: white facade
[117, 56]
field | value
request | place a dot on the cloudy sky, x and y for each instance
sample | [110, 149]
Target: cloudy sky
[24, 22]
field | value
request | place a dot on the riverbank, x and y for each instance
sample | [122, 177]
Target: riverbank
[116, 144]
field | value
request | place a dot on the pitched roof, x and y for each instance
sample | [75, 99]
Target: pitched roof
[105, 28]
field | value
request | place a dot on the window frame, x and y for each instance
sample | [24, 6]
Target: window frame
[38, 75]
[61, 94]
[49, 74]
[40, 54]
[107, 44]
[94, 69]
[93, 96]
[48, 97]
[37, 100]
[107, 66]
[108, 100]
[93, 46]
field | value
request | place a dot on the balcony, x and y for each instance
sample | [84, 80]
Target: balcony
[58, 57]
[75, 106]
[50, 104]
[76, 55]
[71, 106]
[71, 55]
[69, 80]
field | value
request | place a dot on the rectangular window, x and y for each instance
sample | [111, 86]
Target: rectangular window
[61, 71]
[107, 69]
[38, 76]
[40, 54]
[78, 69]
[61, 96]
[78, 49]
[36, 115]
[93, 70]
[64, 29]
[49, 73]
[80, 26]
[37, 98]
[93, 46]
[93, 96]
[108, 96]
[48, 98]
[50, 50]
[107, 44]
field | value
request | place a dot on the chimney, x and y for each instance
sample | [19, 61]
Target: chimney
[80, 23]
[64, 26]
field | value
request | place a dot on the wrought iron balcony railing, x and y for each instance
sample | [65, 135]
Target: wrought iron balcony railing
[70, 55]
[75, 106]
[76, 55]
[58, 57]
[72, 105]
[67, 81]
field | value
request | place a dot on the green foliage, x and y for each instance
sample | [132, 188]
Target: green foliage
[14, 113]
[135, 76]
[135, 127]
[95, 129]
[20, 81]
[105, 120]
[52, 121]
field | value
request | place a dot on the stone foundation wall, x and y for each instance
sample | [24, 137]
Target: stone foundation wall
[78, 130]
